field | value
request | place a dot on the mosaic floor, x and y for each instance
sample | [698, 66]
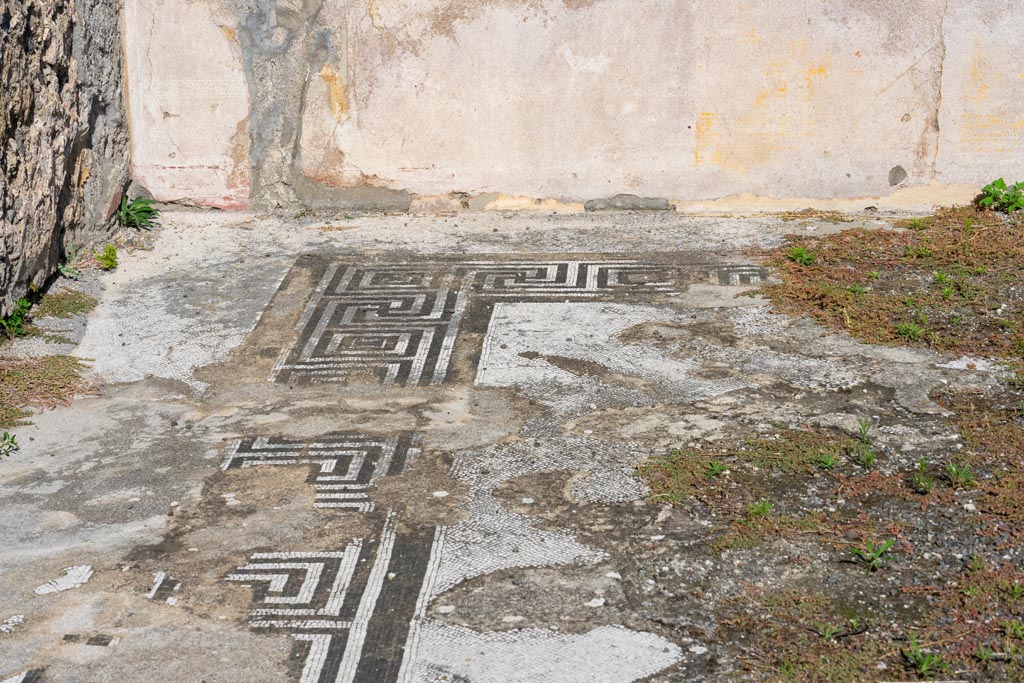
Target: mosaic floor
[411, 486]
[359, 613]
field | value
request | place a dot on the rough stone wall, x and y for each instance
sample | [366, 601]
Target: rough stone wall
[63, 128]
[382, 102]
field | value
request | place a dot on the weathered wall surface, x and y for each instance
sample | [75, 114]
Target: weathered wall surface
[62, 123]
[348, 103]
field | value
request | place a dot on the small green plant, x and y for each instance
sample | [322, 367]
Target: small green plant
[911, 331]
[827, 631]
[865, 453]
[984, 653]
[864, 430]
[917, 251]
[972, 591]
[942, 278]
[874, 274]
[1015, 590]
[1014, 629]
[921, 482]
[107, 258]
[14, 324]
[68, 269]
[857, 289]
[917, 224]
[761, 508]
[872, 555]
[827, 461]
[947, 293]
[926, 664]
[138, 213]
[801, 255]
[715, 468]
[999, 196]
[8, 444]
[960, 476]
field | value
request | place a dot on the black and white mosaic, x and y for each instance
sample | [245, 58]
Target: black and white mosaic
[349, 611]
[32, 676]
[344, 466]
[401, 321]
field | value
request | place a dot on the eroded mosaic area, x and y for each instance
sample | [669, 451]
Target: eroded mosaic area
[344, 466]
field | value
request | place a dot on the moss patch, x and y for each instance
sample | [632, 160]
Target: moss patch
[37, 383]
[949, 282]
[64, 304]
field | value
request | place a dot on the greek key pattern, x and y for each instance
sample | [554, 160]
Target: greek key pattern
[400, 322]
[349, 611]
[343, 466]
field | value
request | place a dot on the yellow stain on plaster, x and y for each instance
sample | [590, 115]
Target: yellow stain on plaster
[790, 101]
[511, 203]
[984, 124]
[336, 96]
[229, 33]
[374, 10]
[706, 137]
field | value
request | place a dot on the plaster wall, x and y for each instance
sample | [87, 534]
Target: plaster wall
[399, 103]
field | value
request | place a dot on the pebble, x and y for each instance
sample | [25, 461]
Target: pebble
[596, 602]
[440, 494]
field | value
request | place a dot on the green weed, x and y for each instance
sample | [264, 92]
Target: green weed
[14, 324]
[1014, 629]
[761, 508]
[921, 482]
[801, 255]
[959, 476]
[857, 289]
[998, 196]
[139, 213]
[715, 468]
[925, 664]
[827, 461]
[68, 269]
[911, 331]
[107, 259]
[873, 556]
[8, 444]
[826, 631]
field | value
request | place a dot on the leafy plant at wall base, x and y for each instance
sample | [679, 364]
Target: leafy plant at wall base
[8, 444]
[139, 213]
[998, 196]
[107, 258]
[14, 324]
